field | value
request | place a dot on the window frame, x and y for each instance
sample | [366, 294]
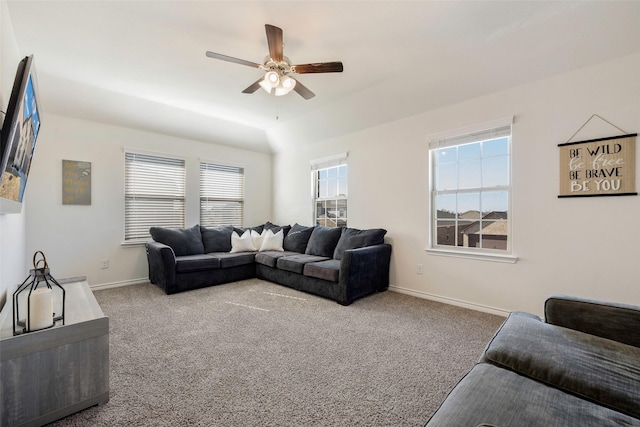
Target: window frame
[220, 197]
[174, 221]
[327, 163]
[455, 138]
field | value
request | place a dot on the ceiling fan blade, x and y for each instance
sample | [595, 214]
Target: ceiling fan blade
[303, 91]
[254, 87]
[232, 59]
[274, 40]
[322, 67]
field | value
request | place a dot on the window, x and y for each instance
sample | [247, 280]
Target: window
[221, 195]
[154, 194]
[330, 191]
[471, 190]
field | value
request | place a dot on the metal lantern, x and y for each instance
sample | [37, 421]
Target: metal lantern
[39, 301]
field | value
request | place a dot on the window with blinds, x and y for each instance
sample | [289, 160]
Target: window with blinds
[154, 194]
[221, 195]
[471, 189]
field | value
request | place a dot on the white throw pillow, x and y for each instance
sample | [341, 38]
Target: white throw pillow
[272, 242]
[242, 243]
[257, 238]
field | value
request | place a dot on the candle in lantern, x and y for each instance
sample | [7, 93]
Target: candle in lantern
[40, 314]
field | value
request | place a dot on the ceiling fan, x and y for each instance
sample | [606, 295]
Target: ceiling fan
[278, 67]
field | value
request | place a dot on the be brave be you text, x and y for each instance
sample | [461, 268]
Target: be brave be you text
[598, 167]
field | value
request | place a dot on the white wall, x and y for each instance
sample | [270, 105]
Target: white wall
[581, 246]
[76, 238]
[13, 266]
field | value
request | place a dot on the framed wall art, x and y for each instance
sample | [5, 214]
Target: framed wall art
[76, 182]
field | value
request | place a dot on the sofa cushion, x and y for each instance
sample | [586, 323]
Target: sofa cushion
[604, 371]
[183, 241]
[325, 270]
[297, 238]
[270, 258]
[242, 243]
[323, 241]
[187, 263]
[608, 319]
[296, 263]
[352, 238]
[498, 397]
[228, 259]
[216, 239]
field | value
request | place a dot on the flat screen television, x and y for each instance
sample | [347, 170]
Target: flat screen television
[18, 138]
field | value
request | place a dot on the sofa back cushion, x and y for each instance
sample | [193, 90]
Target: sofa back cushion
[216, 239]
[352, 238]
[183, 241]
[275, 228]
[241, 230]
[297, 238]
[323, 241]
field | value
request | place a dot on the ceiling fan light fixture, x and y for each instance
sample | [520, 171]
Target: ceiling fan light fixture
[272, 78]
[264, 84]
[286, 85]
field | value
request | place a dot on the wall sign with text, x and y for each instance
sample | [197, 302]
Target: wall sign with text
[598, 167]
[76, 182]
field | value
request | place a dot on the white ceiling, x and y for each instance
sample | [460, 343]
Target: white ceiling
[142, 64]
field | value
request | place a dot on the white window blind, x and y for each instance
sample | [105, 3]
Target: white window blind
[154, 194]
[221, 195]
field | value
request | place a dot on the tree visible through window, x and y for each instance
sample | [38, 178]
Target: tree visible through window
[470, 191]
[330, 196]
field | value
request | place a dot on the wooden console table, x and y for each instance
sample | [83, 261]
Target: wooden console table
[49, 374]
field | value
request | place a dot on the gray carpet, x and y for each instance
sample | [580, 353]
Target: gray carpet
[253, 353]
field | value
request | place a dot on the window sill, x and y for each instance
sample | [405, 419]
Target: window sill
[134, 243]
[494, 257]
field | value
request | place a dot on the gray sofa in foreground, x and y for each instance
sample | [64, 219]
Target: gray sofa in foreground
[342, 264]
[578, 367]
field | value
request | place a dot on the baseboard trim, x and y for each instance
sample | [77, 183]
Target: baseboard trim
[393, 288]
[120, 284]
[450, 301]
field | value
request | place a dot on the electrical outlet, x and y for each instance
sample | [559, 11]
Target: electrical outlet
[420, 269]
[104, 263]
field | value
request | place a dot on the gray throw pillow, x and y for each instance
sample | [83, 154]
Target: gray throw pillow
[297, 238]
[275, 228]
[241, 230]
[323, 241]
[353, 238]
[183, 241]
[216, 239]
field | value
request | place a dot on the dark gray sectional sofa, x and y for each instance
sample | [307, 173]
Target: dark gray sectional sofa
[342, 264]
[579, 367]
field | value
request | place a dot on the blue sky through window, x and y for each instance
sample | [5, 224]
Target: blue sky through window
[475, 166]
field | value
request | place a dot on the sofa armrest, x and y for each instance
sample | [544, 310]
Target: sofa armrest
[162, 265]
[364, 271]
[614, 321]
